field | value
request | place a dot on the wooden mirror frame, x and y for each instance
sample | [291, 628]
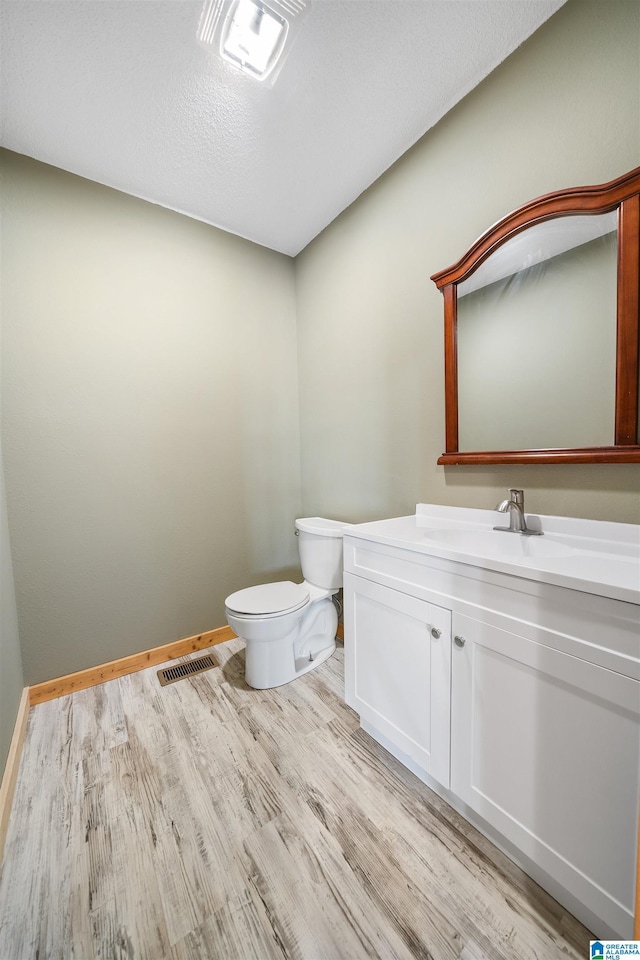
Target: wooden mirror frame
[622, 195]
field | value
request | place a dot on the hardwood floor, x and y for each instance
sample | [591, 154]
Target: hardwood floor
[208, 821]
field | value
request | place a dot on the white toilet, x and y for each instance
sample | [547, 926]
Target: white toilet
[290, 628]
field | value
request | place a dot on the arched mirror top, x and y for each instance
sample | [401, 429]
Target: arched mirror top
[555, 284]
[574, 201]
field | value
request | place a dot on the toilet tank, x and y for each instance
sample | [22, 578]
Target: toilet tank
[320, 549]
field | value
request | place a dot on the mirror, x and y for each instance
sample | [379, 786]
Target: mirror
[528, 376]
[541, 333]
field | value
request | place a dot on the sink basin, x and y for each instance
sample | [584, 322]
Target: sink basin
[594, 556]
[497, 544]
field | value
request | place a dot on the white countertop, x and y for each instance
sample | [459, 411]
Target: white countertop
[593, 556]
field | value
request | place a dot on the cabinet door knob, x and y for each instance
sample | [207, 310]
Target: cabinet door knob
[459, 641]
[435, 633]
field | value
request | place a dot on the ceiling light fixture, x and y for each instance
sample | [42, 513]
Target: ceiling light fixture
[253, 37]
[250, 34]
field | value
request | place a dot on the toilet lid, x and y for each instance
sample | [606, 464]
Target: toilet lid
[268, 598]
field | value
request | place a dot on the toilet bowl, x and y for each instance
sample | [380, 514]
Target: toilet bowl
[290, 628]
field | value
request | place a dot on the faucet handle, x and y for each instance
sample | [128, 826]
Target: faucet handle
[516, 496]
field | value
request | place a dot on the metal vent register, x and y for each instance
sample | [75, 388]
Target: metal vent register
[187, 669]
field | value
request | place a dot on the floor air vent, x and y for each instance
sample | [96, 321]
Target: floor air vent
[186, 669]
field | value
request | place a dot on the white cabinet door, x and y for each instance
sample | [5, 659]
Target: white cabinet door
[546, 747]
[398, 670]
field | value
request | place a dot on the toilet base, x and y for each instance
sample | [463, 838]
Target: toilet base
[259, 679]
[305, 665]
[309, 639]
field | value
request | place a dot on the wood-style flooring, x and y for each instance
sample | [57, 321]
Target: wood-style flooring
[209, 821]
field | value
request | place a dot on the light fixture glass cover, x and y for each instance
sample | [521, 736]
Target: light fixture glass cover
[253, 37]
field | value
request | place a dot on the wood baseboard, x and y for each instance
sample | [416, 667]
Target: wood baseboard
[61, 686]
[92, 676]
[12, 765]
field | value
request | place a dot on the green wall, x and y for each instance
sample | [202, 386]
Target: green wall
[150, 418]
[563, 110]
[11, 676]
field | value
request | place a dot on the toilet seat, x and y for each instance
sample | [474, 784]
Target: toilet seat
[268, 599]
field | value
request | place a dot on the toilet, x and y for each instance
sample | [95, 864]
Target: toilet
[290, 628]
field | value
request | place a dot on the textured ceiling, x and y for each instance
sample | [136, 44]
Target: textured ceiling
[121, 92]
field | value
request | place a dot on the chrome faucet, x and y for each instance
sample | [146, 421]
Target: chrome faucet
[515, 508]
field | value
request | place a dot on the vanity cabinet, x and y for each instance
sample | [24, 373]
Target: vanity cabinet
[518, 701]
[398, 670]
[544, 747]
